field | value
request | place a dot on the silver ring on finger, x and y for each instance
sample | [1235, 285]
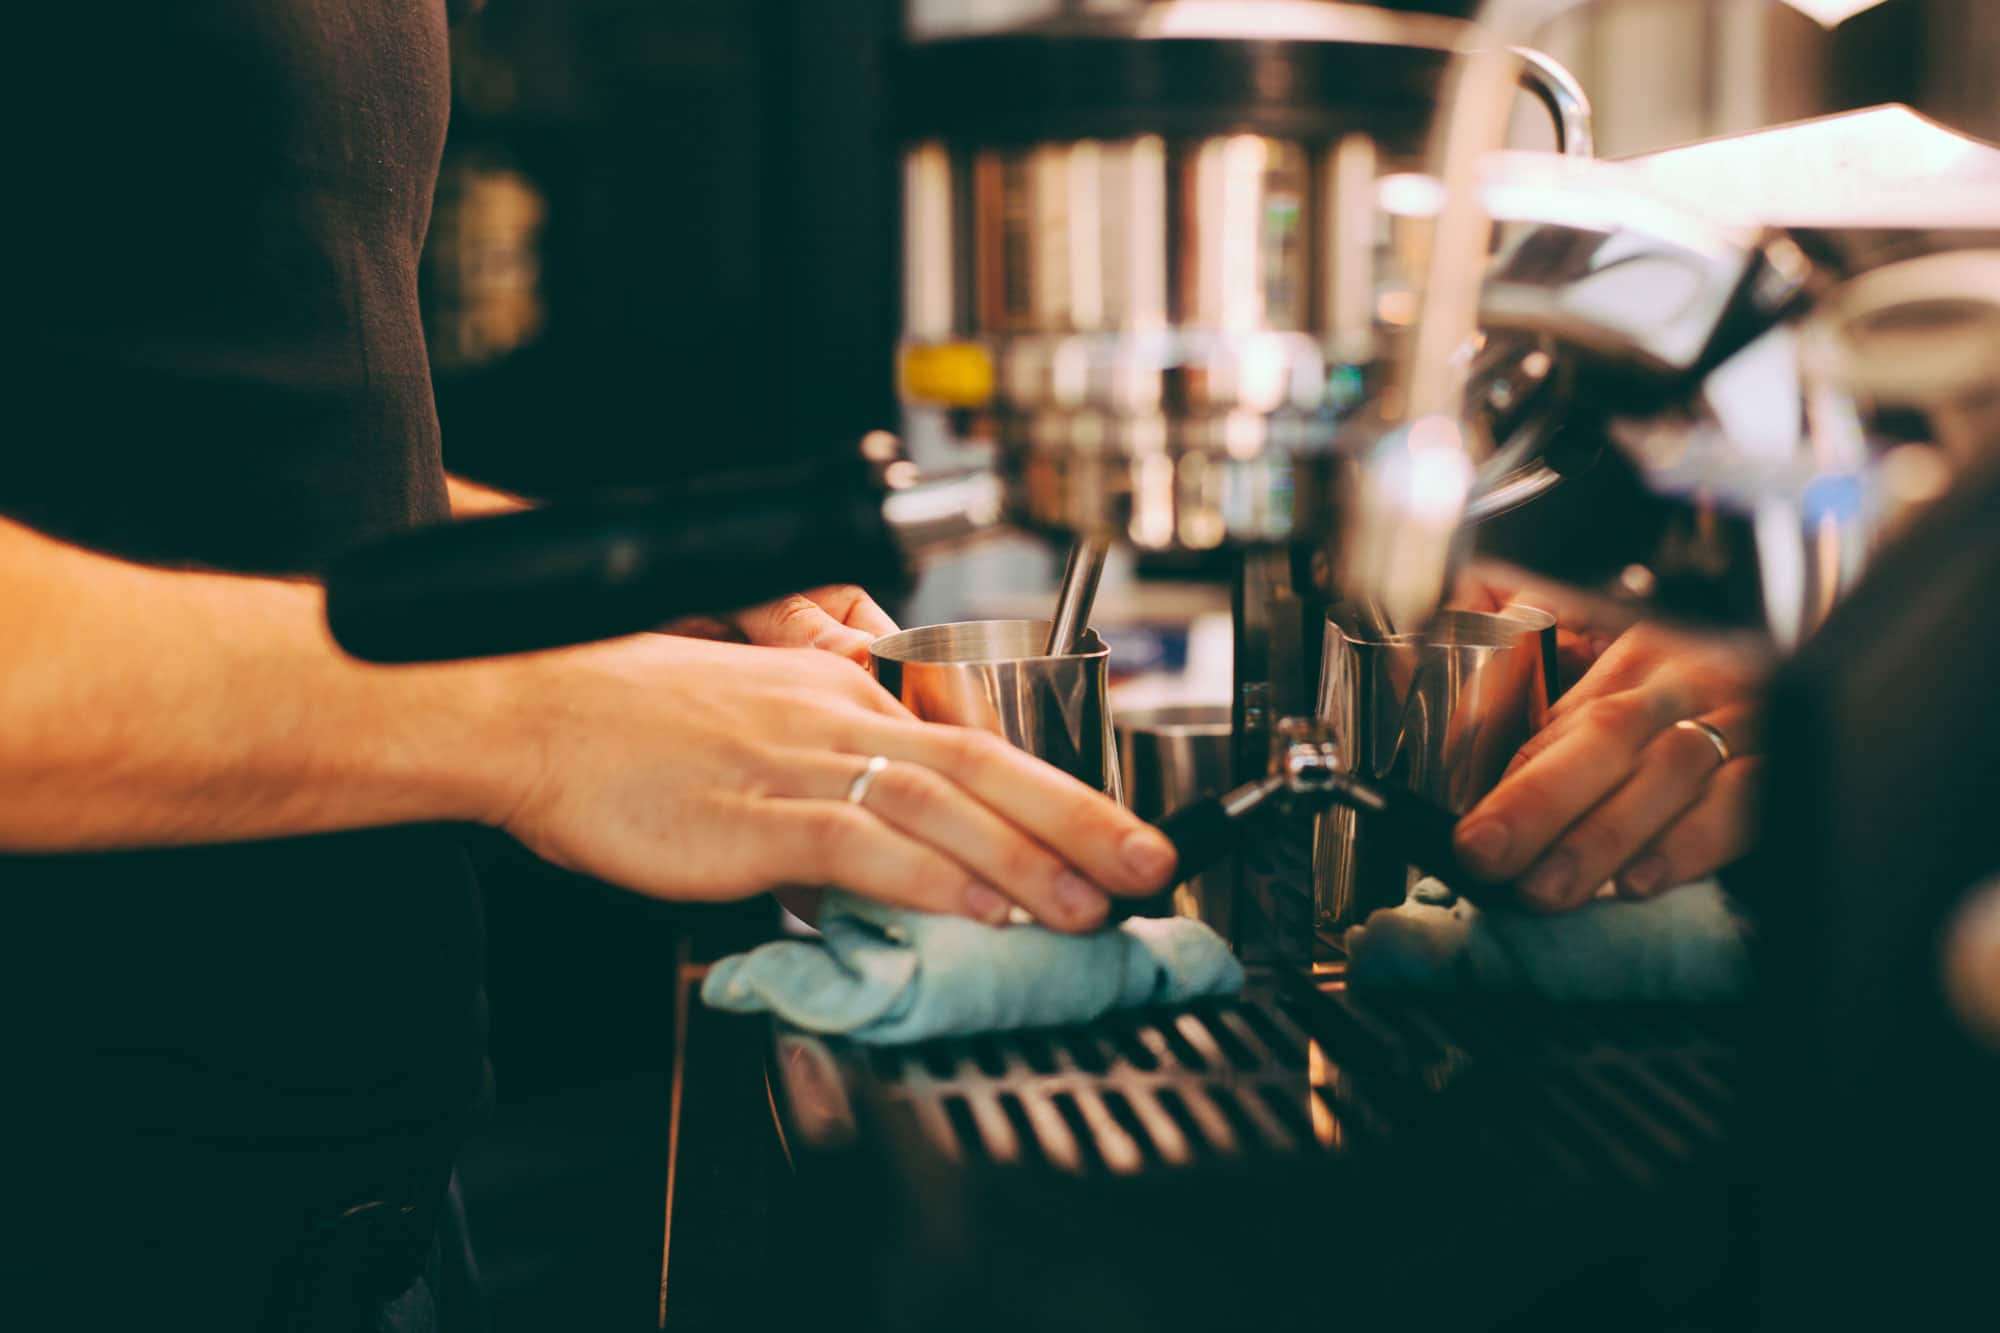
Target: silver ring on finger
[1708, 732]
[857, 790]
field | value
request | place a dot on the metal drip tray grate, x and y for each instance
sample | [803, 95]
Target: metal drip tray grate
[1627, 1093]
[1297, 1158]
[1500, 1084]
[1150, 1088]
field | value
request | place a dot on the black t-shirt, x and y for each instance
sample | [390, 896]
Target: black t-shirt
[210, 355]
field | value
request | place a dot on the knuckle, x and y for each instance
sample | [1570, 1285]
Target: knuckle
[1095, 815]
[1696, 845]
[1647, 636]
[1532, 795]
[912, 791]
[1020, 862]
[1531, 747]
[835, 830]
[762, 768]
[972, 750]
[940, 881]
[1600, 843]
[791, 609]
[1615, 715]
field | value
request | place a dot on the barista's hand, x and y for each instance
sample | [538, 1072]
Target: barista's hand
[1585, 625]
[840, 619]
[693, 770]
[1611, 789]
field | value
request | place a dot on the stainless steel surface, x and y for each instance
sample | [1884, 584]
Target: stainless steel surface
[1894, 374]
[1250, 795]
[1438, 713]
[993, 675]
[1270, 20]
[1453, 301]
[1881, 182]
[1175, 330]
[1568, 104]
[1593, 258]
[1077, 594]
[936, 517]
[1169, 757]
[1921, 336]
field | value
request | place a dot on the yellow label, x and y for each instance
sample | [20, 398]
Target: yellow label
[948, 374]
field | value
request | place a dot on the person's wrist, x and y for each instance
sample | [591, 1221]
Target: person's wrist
[501, 719]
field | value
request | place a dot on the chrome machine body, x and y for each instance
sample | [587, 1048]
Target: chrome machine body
[1256, 276]
[1146, 260]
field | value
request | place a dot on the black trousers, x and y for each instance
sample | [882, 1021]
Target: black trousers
[447, 1296]
[234, 1241]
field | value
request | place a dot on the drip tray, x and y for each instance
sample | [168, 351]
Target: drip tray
[1471, 1161]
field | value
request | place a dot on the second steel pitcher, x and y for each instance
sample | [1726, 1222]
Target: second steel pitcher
[1439, 713]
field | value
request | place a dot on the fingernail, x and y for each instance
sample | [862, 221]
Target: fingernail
[1148, 855]
[1080, 899]
[986, 905]
[1642, 878]
[1485, 842]
[1549, 881]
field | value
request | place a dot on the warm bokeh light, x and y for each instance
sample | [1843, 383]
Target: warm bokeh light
[1831, 13]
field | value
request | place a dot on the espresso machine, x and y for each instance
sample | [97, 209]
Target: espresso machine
[1254, 277]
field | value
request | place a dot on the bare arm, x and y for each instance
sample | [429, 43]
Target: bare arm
[144, 707]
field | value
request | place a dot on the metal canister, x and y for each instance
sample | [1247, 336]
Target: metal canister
[1170, 757]
[1441, 713]
[996, 676]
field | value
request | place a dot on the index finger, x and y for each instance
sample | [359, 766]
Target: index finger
[797, 621]
[1536, 803]
[1111, 846]
[853, 607]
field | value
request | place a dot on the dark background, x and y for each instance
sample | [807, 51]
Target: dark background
[719, 259]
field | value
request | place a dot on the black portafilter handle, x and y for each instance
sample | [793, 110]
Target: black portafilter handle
[1414, 827]
[1202, 834]
[577, 572]
[1420, 831]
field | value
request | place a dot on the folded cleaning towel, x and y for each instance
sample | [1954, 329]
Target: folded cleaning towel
[1689, 945]
[884, 975]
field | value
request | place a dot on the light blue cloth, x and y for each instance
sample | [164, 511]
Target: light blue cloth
[1689, 945]
[884, 975]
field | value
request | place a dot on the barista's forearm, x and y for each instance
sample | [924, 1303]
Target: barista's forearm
[143, 707]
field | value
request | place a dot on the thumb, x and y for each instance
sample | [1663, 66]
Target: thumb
[797, 621]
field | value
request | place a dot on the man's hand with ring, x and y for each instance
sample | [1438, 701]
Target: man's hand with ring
[695, 770]
[1643, 776]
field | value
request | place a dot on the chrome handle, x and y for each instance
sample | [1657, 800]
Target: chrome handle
[1568, 105]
